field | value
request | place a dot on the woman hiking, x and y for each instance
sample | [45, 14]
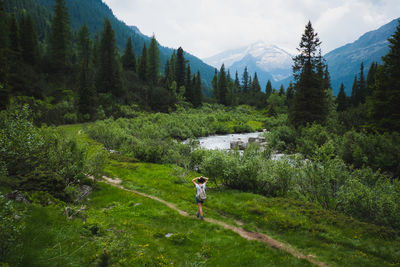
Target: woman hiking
[200, 194]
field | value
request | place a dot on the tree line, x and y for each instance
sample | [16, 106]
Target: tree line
[80, 76]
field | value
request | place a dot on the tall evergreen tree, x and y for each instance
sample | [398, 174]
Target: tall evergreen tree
[384, 103]
[180, 68]
[362, 88]
[4, 67]
[282, 90]
[255, 85]
[29, 41]
[214, 83]
[108, 78]
[142, 68]
[153, 61]
[188, 85]
[60, 38]
[310, 101]
[245, 81]
[129, 57]
[289, 94]
[197, 91]
[222, 86]
[354, 98]
[87, 94]
[268, 89]
[341, 99]
[371, 78]
[327, 78]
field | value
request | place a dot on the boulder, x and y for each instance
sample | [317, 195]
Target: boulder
[238, 144]
[17, 196]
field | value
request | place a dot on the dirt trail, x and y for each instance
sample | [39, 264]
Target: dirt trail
[243, 233]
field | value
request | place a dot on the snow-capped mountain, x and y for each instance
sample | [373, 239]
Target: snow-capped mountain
[269, 61]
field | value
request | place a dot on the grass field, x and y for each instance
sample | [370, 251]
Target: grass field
[119, 228]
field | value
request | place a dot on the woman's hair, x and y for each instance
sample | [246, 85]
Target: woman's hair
[202, 180]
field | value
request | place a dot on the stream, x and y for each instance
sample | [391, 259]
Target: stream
[222, 142]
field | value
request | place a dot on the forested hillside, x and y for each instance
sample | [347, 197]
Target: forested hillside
[100, 145]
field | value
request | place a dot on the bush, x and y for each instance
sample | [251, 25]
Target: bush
[282, 138]
[311, 138]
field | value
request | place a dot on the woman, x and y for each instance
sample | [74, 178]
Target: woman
[201, 186]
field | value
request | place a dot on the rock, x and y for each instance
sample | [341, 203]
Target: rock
[252, 139]
[169, 235]
[17, 196]
[84, 192]
[238, 144]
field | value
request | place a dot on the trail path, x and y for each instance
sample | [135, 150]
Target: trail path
[243, 233]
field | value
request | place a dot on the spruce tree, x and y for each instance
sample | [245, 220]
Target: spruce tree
[87, 94]
[222, 86]
[310, 100]
[180, 68]
[384, 103]
[245, 81]
[60, 38]
[362, 89]
[4, 67]
[354, 98]
[289, 94]
[153, 61]
[371, 78]
[14, 37]
[129, 57]
[142, 67]
[341, 99]
[108, 78]
[197, 91]
[282, 90]
[29, 41]
[255, 85]
[268, 89]
[214, 83]
[188, 85]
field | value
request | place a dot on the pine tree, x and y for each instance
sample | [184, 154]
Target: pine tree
[384, 103]
[214, 83]
[4, 67]
[129, 57]
[108, 78]
[222, 86]
[153, 61]
[290, 94]
[255, 85]
[14, 37]
[60, 38]
[282, 90]
[354, 99]
[362, 89]
[142, 68]
[310, 101]
[197, 91]
[268, 89]
[29, 41]
[87, 94]
[180, 68]
[371, 78]
[327, 78]
[188, 85]
[341, 99]
[245, 81]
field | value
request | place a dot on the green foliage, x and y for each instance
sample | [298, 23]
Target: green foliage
[39, 159]
[11, 226]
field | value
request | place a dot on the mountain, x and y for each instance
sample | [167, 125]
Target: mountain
[93, 13]
[344, 62]
[269, 61]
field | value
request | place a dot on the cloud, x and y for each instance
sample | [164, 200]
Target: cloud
[206, 27]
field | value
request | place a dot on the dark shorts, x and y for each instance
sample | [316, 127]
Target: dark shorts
[199, 201]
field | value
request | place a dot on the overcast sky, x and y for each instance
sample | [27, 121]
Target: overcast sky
[207, 27]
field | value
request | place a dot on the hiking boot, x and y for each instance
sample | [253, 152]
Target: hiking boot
[202, 218]
[197, 214]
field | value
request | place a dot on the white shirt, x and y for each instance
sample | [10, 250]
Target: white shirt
[198, 188]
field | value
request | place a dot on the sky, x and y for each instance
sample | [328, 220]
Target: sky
[207, 27]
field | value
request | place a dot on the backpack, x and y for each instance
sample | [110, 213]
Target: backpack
[202, 193]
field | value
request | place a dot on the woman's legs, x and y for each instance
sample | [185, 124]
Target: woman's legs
[200, 209]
